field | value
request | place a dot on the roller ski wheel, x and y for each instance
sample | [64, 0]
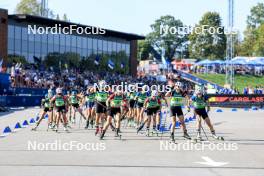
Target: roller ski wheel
[220, 138]
[186, 136]
[147, 133]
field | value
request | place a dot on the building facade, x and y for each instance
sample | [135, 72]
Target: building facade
[19, 38]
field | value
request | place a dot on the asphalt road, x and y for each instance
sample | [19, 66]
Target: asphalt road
[80, 152]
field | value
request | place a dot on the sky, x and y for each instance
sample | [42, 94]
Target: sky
[136, 16]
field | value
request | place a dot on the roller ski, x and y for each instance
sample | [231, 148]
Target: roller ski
[102, 135]
[220, 138]
[172, 139]
[147, 132]
[117, 133]
[154, 132]
[198, 138]
[186, 136]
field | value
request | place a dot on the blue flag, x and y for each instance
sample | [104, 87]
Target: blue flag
[111, 64]
[97, 60]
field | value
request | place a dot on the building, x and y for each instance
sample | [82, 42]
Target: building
[17, 39]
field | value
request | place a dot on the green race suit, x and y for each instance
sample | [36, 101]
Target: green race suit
[46, 103]
[116, 102]
[59, 101]
[176, 99]
[73, 99]
[199, 103]
[152, 103]
[90, 97]
[101, 96]
[142, 97]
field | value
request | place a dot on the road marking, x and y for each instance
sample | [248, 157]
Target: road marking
[210, 162]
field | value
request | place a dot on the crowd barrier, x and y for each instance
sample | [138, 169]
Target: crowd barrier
[20, 101]
[197, 80]
[4, 83]
[236, 101]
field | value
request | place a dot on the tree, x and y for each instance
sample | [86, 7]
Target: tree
[259, 43]
[57, 17]
[208, 40]
[256, 17]
[144, 49]
[31, 7]
[165, 35]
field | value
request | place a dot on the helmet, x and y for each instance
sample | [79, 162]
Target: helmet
[102, 83]
[178, 84]
[145, 88]
[199, 91]
[50, 91]
[59, 91]
[154, 93]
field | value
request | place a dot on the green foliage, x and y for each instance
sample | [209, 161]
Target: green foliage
[16, 59]
[167, 40]
[256, 17]
[31, 7]
[144, 49]
[207, 45]
[259, 42]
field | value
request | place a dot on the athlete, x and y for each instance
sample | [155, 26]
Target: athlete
[114, 103]
[141, 96]
[89, 99]
[177, 96]
[100, 99]
[61, 105]
[45, 103]
[132, 107]
[152, 105]
[200, 102]
[74, 100]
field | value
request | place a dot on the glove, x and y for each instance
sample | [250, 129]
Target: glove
[188, 109]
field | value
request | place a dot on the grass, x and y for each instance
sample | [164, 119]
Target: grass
[241, 81]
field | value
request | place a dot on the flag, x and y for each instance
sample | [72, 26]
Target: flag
[122, 65]
[1, 63]
[97, 60]
[111, 64]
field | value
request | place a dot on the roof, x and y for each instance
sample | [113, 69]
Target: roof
[52, 22]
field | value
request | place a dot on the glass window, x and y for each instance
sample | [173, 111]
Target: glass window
[119, 48]
[56, 39]
[114, 46]
[90, 43]
[11, 43]
[100, 45]
[31, 46]
[18, 32]
[105, 45]
[44, 48]
[73, 40]
[24, 46]
[128, 49]
[68, 40]
[95, 44]
[84, 42]
[37, 37]
[79, 41]
[109, 45]
[24, 34]
[11, 31]
[17, 46]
